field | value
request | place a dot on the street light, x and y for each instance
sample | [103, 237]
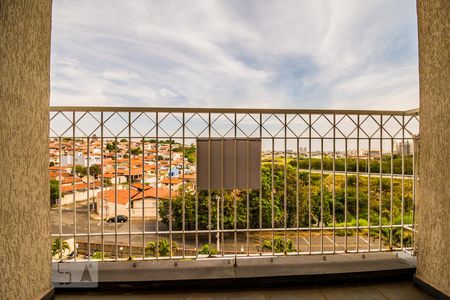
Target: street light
[121, 249]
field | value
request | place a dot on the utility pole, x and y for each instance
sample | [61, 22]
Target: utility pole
[218, 223]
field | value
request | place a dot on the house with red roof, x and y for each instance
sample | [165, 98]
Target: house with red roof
[136, 201]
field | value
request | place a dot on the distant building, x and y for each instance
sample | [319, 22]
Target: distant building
[405, 147]
[80, 159]
[174, 172]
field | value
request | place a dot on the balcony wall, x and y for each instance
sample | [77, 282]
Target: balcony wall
[433, 240]
[24, 97]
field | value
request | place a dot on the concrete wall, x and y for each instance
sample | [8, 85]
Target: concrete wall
[433, 210]
[136, 211]
[80, 196]
[25, 257]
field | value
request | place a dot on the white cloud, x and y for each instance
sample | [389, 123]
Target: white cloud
[235, 53]
[119, 75]
[394, 88]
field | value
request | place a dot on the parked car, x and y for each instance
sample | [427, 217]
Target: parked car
[118, 219]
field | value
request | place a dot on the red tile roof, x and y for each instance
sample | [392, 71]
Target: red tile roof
[110, 196]
[123, 195]
[151, 193]
[139, 186]
[175, 180]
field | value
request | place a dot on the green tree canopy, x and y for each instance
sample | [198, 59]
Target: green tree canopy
[112, 147]
[54, 191]
[136, 151]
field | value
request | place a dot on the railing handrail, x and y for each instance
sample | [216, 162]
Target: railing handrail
[411, 112]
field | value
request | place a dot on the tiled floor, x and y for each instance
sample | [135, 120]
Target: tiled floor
[397, 290]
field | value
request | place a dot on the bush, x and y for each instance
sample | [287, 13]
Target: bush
[98, 255]
[207, 249]
[57, 245]
[163, 248]
[280, 245]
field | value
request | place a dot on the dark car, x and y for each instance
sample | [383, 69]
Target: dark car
[71, 255]
[118, 219]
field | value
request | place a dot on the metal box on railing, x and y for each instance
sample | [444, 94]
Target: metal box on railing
[228, 163]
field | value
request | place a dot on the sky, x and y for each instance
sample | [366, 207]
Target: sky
[248, 54]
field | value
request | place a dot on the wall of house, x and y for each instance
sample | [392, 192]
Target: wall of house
[136, 212]
[433, 207]
[149, 212]
[80, 195]
[149, 208]
[148, 203]
[109, 208]
[25, 256]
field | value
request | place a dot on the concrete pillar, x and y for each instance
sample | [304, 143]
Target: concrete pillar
[25, 258]
[433, 210]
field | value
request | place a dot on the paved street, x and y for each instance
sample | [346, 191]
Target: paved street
[302, 241]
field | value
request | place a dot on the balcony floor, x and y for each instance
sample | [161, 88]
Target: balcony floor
[382, 291]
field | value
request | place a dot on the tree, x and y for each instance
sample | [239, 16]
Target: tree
[54, 192]
[203, 202]
[94, 170]
[123, 140]
[163, 248]
[79, 170]
[136, 151]
[107, 182]
[190, 154]
[112, 146]
[239, 198]
[57, 245]
[374, 163]
[290, 197]
[177, 149]
[287, 205]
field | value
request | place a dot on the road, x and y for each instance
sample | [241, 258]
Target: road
[304, 243]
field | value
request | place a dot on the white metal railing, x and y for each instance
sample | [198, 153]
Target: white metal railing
[331, 181]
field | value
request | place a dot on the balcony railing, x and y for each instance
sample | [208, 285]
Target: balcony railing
[268, 182]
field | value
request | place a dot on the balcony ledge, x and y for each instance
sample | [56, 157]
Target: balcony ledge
[225, 272]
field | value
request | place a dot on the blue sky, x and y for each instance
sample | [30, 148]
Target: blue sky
[268, 54]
